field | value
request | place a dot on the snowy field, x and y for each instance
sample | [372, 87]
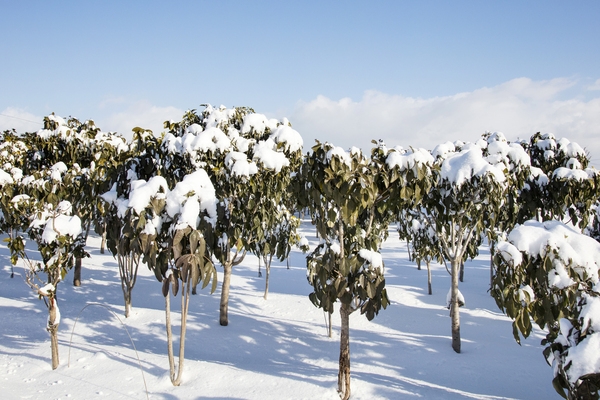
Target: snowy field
[273, 349]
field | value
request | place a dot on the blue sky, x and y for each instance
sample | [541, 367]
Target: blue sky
[409, 72]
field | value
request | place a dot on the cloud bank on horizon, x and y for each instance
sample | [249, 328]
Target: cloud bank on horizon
[518, 108]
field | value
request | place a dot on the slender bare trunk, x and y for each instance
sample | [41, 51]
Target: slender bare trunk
[77, 272]
[329, 325]
[454, 306]
[128, 267]
[224, 305]
[268, 272]
[175, 373]
[344, 365]
[53, 330]
[103, 241]
[259, 266]
[429, 278]
[461, 276]
[127, 298]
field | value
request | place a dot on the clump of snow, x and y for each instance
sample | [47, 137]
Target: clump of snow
[567, 173]
[289, 137]
[510, 253]
[61, 225]
[584, 358]
[142, 192]
[340, 153]
[194, 194]
[57, 170]
[210, 139]
[258, 123]
[459, 297]
[526, 294]
[409, 159]
[372, 257]
[443, 150]
[590, 314]
[238, 164]
[469, 163]
[5, 178]
[335, 247]
[265, 153]
[534, 237]
[46, 289]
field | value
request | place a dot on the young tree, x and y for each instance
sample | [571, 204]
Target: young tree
[352, 200]
[419, 230]
[548, 272]
[85, 150]
[465, 200]
[56, 232]
[346, 266]
[120, 224]
[245, 155]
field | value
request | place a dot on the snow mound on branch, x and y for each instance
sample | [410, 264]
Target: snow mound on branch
[568, 173]
[289, 136]
[510, 253]
[5, 178]
[340, 153]
[373, 257]
[443, 150]
[143, 192]
[258, 123]
[265, 153]
[194, 194]
[533, 237]
[210, 139]
[469, 163]
[61, 225]
[238, 164]
[409, 159]
[585, 357]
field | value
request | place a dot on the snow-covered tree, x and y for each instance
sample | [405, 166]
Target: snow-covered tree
[38, 208]
[248, 158]
[418, 228]
[548, 272]
[561, 184]
[466, 197]
[121, 225]
[165, 226]
[86, 151]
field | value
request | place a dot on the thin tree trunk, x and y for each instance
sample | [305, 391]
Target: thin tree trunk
[344, 364]
[410, 257]
[259, 265]
[224, 305]
[454, 306]
[128, 267]
[461, 276]
[268, 272]
[103, 241]
[77, 272]
[185, 303]
[127, 298]
[53, 330]
[429, 278]
[169, 336]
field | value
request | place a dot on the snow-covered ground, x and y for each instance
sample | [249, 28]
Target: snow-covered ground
[272, 349]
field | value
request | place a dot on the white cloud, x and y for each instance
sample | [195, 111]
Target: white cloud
[139, 114]
[595, 85]
[20, 120]
[519, 108]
